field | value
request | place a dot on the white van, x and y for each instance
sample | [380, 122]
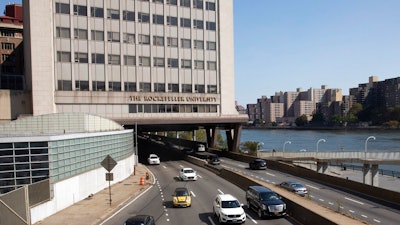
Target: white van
[201, 148]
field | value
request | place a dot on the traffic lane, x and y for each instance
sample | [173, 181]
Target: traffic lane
[361, 208]
[204, 191]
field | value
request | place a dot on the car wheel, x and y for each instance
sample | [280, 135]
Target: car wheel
[259, 212]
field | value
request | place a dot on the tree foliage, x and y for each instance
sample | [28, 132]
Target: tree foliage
[301, 121]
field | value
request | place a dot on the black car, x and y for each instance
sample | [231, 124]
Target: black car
[213, 159]
[140, 220]
[258, 164]
[265, 202]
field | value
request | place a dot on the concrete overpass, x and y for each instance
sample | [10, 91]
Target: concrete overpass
[370, 160]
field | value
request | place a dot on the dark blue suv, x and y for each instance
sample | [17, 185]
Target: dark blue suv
[265, 202]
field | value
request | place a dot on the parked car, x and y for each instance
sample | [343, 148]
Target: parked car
[187, 174]
[295, 187]
[140, 220]
[182, 197]
[265, 202]
[213, 159]
[228, 209]
[153, 159]
[258, 164]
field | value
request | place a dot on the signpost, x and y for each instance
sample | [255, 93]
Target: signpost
[109, 163]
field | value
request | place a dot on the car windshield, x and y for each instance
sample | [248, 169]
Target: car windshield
[188, 171]
[181, 193]
[268, 196]
[153, 157]
[230, 204]
[297, 186]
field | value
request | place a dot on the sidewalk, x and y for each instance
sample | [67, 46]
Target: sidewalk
[96, 209]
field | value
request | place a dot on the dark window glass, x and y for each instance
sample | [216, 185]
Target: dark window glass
[172, 2]
[198, 4]
[128, 15]
[143, 17]
[173, 21]
[96, 12]
[185, 3]
[210, 26]
[80, 10]
[158, 19]
[210, 6]
[62, 8]
[98, 58]
[185, 22]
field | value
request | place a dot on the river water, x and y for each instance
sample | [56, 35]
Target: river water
[335, 140]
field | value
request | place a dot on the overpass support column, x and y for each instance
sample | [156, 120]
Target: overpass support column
[211, 134]
[375, 175]
[322, 167]
[367, 174]
[233, 138]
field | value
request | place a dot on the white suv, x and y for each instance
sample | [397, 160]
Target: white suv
[187, 174]
[228, 209]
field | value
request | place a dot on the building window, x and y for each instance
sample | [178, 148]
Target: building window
[212, 89]
[130, 86]
[97, 12]
[185, 3]
[186, 63]
[62, 8]
[98, 85]
[113, 14]
[158, 62]
[144, 61]
[172, 2]
[199, 88]
[98, 58]
[158, 19]
[114, 59]
[143, 17]
[198, 24]
[186, 88]
[144, 39]
[63, 32]
[64, 85]
[7, 46]
[128, 38]
[198, 4]
[7, 33]
[173, 63]
[173, 88]
[5, 57]
[185, 43]
[158, 1]
[97, 35]
[81, 57]
[210, 6]
[80, 10]
[211, 65]
[199, 64]
[80, 34]
[63, 56]
[158, 40]
[210, 26]
[173, 42]
[159, 87]
[114, 86]
[128, 15]
[211, 45]
[113, 36]
[172, 21]
[185, 22]
[144, 87]
[198, 44]
[82, 85]
[129, 60]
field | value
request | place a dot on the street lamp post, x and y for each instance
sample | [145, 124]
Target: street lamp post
[319, 142]
[286, 142]
[258, 147]
[365, 147]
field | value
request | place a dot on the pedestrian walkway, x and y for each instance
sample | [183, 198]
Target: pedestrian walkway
[95, 209]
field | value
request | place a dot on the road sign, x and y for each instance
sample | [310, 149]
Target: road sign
[108, 163]
[109, 176]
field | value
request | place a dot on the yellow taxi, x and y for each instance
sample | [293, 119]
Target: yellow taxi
[182, 197]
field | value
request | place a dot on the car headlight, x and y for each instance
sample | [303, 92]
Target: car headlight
[284, 206]
[175, 200]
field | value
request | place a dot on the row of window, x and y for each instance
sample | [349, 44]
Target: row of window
[7, 46]
[83, 85]
[172, 108]
[81, 10]
[82, 34]
[130, 60]
[7, 34]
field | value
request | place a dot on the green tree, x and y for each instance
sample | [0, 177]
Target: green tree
[318, 118]
[301, 121]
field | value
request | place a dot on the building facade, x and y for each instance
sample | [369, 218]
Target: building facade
[131, 59]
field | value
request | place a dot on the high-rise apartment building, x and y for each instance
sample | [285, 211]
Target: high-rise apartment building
[132, 60]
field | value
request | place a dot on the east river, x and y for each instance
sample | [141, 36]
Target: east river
[335, 140]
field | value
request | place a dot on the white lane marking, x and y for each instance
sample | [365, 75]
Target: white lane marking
[211, 221]
[364, 216]
[330, 203]
[220, 192]
[350, 199]
[271, 174]
[199, 176]
[164, 167]
[312, 196]
[248, 216]
[192, 194]
[352, 211]
[321, 200]
[181, 166]
[313, 187]
[378, 221]
[273, 182]
[242, 166]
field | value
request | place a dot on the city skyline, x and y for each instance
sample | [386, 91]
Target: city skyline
[304, 45]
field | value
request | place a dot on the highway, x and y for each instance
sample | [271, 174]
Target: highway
[361, 208]
[157, 201]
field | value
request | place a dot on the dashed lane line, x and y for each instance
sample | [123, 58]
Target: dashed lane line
[378, 221]
[350, 199]
[220, 192]
[251, 218]
[271, 174]
[313, 187]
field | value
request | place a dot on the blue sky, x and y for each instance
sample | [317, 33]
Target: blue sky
[282, 45]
